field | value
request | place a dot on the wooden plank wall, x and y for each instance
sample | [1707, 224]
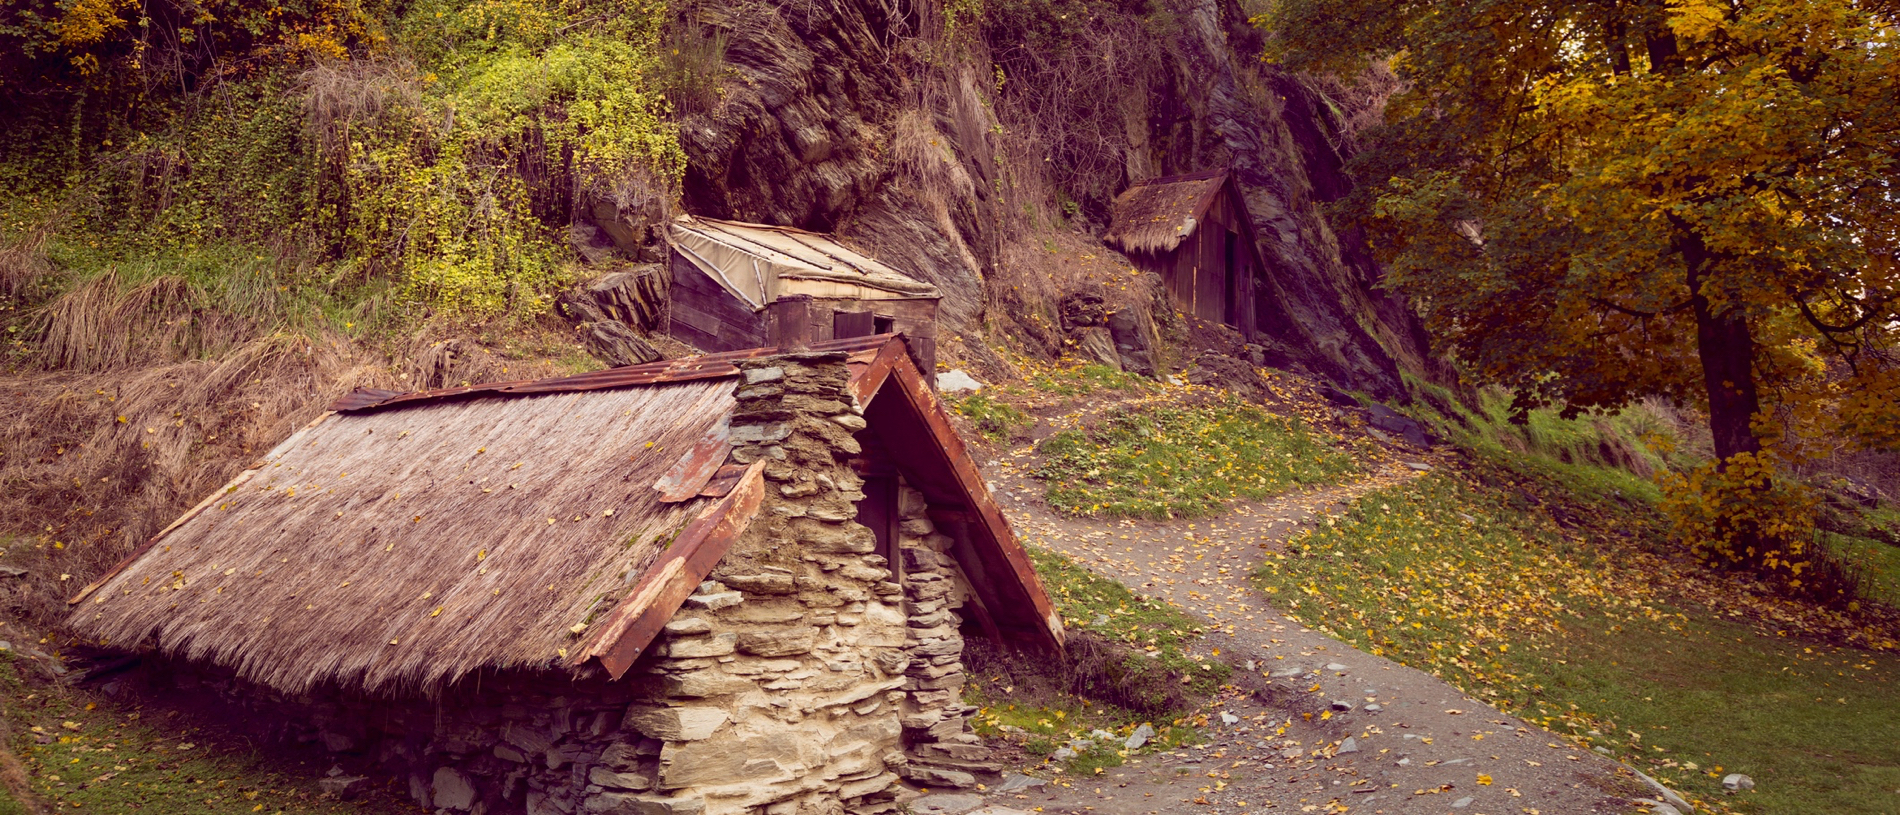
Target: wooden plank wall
[707, 317]
[1195, 273]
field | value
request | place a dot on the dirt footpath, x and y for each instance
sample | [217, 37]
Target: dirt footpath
[1316, 725]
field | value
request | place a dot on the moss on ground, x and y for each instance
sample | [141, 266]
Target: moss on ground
[1184, 461]
[87, 753]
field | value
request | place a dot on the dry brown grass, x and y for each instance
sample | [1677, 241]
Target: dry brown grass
[1034, 273]
[104, 324]
[337, 94]
[401, 549]
[23, 260]
[92, 465]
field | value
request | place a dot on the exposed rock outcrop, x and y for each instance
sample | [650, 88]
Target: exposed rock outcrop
[868, 119]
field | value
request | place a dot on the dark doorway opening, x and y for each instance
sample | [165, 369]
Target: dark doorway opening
[1230, 293]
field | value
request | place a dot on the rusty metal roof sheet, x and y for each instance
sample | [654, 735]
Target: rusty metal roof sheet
[684, 369]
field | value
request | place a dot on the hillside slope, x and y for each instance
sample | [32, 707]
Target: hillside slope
[215, 219]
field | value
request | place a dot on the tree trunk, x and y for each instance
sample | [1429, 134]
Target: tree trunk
[1726, 348]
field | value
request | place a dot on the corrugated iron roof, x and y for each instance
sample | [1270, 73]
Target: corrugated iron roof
[760, 264]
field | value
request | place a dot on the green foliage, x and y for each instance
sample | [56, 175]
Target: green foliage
[427, 156]
[1168, 461]
[1592, 204]
[997, 421]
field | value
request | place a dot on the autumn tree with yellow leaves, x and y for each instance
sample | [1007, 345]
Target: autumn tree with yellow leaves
[1592, 201]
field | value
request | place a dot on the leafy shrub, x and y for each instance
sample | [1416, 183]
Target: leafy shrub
[1743, 513]
[433, 151]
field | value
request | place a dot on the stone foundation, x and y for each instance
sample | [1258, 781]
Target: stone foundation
[805, 676]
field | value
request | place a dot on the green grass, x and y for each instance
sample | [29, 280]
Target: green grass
[1086, 379]
[1155, 682]
[1090, 602]
[1166, 461]
[101, 758]
[1475, 581]
[996, 421]
[1604, 456]
[1878, 565]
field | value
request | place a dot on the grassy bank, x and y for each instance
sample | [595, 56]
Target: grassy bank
[1131, 664]
[1177, 460]
[1560, 604]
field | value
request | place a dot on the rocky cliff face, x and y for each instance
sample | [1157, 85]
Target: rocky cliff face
[936, 143]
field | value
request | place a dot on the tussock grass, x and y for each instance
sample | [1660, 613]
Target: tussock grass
[1176, 461]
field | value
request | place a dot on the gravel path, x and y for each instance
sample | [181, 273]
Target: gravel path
[1397, 740]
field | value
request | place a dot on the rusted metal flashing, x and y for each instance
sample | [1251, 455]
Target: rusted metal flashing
[684, 369]
[870, 368]
[723, 481]
[1012, 581]
[633, 624]
[685, 479]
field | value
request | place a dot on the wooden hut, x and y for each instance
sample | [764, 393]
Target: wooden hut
[1195, 232]
[738, 285]
[718, 584]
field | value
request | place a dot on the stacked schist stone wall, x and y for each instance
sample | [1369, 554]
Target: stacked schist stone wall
[795, 645]
[801, 678]
[937, 735]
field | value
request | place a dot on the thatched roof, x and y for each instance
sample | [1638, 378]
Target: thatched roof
[404, 540]
[408, 546]
[1155, 216]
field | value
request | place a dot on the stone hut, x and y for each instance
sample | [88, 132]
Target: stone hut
[1194, 231]
[734, 583]
[738, 285]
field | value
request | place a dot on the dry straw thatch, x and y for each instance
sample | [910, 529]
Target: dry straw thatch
[401, 549]
[1156, 216]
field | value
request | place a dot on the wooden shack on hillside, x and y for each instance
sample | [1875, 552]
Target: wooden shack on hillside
[1195, 232]
[734, 583]
[738, 285]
